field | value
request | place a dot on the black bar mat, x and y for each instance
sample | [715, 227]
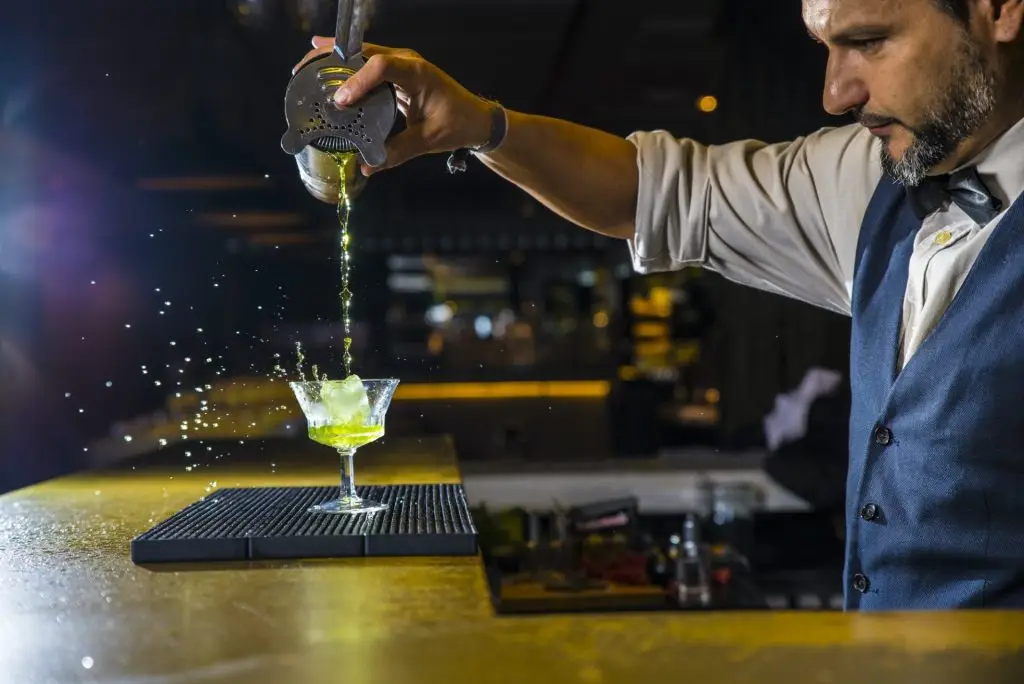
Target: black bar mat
[275, 523]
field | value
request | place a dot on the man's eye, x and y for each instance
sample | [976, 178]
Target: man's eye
[867, 43]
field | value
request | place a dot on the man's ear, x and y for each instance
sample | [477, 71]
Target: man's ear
[1007, 17]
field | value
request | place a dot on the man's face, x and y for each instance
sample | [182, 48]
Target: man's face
[909, 72]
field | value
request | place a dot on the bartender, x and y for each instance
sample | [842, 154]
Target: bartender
[907, 220]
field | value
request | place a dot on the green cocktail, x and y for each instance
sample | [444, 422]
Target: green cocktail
[345, 415]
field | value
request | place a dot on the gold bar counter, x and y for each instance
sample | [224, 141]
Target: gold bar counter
[74, 608]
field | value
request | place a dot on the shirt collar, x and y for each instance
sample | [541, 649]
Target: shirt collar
[1001, 164]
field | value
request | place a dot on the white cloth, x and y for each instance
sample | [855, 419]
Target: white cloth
[787, 421]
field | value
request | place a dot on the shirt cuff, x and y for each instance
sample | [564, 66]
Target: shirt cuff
[671, 217]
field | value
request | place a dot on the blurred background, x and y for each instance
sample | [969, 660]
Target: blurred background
[160, 260]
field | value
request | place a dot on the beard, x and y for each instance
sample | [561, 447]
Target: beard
[957, 113]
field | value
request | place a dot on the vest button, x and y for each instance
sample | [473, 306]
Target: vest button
[883, 435]
[860, 583]
[869, 511]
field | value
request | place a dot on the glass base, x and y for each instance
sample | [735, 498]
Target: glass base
[353, 506]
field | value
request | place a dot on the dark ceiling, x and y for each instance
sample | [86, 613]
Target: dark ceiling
[182, 98]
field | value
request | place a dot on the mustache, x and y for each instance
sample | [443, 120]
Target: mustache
[869, 120]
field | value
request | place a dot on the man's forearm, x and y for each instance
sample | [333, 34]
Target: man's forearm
[585, 175]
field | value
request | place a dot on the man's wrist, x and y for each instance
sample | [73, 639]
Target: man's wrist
[491, 128]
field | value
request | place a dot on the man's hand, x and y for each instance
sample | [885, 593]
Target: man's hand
[585, 175]
[440, 114]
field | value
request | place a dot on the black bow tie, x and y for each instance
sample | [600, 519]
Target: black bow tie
[964, 187]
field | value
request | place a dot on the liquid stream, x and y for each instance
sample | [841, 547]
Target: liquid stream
[343, 160]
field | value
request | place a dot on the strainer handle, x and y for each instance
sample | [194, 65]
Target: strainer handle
[353, 15]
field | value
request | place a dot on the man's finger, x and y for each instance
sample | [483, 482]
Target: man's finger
[378, 69]
[371, 49]
[312, 54]
[324, 44]
[407, 145]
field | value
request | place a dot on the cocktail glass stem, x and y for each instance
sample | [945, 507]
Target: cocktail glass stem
[348, 475]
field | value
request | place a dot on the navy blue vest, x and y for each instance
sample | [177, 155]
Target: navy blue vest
[935, 491]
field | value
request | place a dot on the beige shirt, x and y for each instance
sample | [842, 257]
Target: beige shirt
[785, 217]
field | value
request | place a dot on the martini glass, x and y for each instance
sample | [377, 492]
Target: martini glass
[347, 420]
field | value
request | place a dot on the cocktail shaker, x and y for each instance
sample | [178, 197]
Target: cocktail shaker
[318, 129]
[322, 175]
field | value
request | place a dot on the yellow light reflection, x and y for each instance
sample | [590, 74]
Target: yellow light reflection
[707, 104]
[651, 329]
[258, 392]
[566, 389]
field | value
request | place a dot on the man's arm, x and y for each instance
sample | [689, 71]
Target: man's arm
[783, 218]
[584, 175]
[587, 176]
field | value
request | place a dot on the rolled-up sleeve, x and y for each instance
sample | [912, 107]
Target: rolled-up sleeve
[783, 217]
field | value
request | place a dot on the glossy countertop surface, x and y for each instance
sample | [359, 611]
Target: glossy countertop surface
[73, 607]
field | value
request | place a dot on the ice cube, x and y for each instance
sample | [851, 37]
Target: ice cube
[346, 401]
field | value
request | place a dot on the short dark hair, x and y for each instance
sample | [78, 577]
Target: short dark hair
[958, 9]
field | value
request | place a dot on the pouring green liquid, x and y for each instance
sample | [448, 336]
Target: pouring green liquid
[344, 160]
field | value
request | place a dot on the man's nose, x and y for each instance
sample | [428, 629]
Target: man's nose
[844, 89]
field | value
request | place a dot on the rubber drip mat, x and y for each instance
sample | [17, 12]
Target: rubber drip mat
[275, 523]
